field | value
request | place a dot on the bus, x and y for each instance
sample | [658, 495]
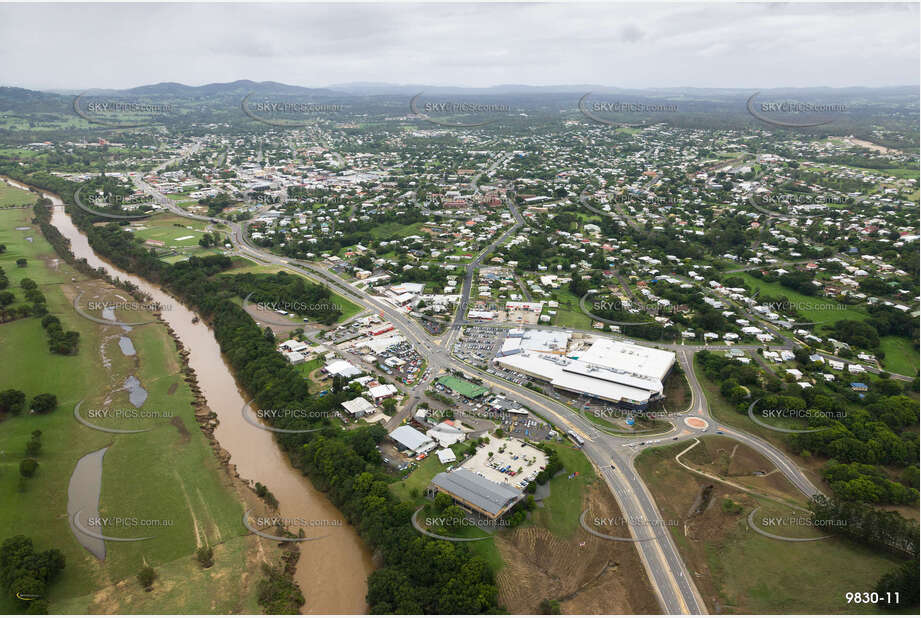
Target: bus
[576, 438]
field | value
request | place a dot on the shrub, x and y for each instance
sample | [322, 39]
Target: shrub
[28, 467]
[146, 577]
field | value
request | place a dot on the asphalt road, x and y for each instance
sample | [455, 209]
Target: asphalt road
[676, 591]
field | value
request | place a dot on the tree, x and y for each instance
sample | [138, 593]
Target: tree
[27, 468]
[21, 262]
[902, 580]
[11, 401]
[205, 556]
[390, 406]
[33, 448]
[549, 606]
[443, 501]
[23, 570]
[46, 402]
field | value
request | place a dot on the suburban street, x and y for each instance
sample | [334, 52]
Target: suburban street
[671, 579]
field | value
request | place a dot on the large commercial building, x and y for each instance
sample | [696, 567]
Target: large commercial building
[477, 493]
[626, 374]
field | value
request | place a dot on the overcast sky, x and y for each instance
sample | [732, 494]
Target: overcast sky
[628, 45]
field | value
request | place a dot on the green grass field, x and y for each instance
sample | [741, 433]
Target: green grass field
[420, 478]
[13, 196]
[569, 314]
[168, 473]
[561, 510]
[815, 308]
[394, 230]
[171, 230]
[901, 355]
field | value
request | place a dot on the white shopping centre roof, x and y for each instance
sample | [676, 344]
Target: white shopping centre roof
[622, 356]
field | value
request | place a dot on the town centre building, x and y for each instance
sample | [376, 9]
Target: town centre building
[623, 373]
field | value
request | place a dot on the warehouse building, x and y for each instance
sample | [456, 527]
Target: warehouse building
[476, 493]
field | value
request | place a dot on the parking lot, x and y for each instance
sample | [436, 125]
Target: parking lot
[513, 462]
[479, 344]
[409, 370]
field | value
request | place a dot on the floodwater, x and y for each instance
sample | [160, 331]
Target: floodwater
[127, 346]
[332, 571]
[83, 501]
[137, 395]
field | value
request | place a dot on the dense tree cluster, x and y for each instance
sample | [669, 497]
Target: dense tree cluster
[859, 436]
[287, 292]
[28, 573]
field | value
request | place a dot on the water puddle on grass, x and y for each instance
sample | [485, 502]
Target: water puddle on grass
[83, 501]
[137, 395]
[127, 346]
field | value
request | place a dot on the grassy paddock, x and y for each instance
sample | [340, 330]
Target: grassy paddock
[168, 473]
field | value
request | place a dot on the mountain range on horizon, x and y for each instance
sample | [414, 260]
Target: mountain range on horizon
[243, 87]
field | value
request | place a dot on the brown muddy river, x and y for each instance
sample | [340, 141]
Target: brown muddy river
[333, 570]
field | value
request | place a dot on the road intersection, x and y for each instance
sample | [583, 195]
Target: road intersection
[612, 455]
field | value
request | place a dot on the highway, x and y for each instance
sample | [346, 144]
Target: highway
[670, 577]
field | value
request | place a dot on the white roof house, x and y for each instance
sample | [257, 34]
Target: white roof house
[446, 455]
[383, 391]
[358, 407]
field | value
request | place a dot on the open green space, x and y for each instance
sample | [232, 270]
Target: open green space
[901, 355]
[569, 314]
[394, 231]
[745, 572]
[561, 510]
[14, 196]
[412, 488]
[171, 230]
[814, 308]
[168, 473]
